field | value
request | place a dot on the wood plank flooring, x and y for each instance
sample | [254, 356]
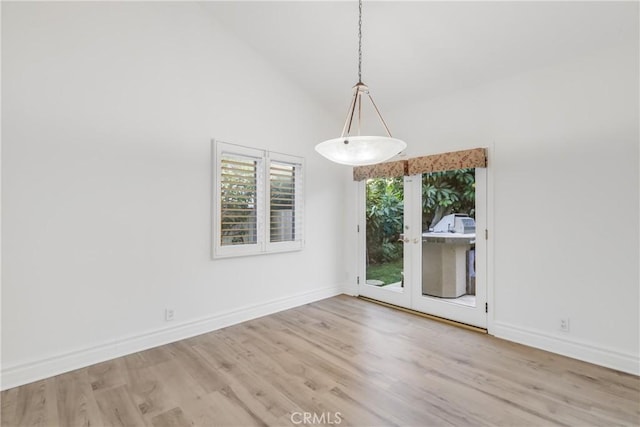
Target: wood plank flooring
[340, 361]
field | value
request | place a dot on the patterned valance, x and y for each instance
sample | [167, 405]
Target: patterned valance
[474, 158]
[380, 170]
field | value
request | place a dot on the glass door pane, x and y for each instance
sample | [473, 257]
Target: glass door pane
[449, 235]
[384, 224]
[384, 240]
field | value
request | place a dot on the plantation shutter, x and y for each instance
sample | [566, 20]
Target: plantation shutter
[285, 202]
[240, 181]
[258, 199]
[282, 203]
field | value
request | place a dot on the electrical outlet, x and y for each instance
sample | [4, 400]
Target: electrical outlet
[564, 324]
[168, 314]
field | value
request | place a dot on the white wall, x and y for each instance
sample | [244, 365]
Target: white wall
[563, 214]
[108, 112]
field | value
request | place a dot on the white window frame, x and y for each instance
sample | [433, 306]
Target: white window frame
[263, 244]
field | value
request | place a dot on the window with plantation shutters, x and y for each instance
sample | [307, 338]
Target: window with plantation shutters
[282, 202]
[285, 202]
[257, 201]
[239, 200]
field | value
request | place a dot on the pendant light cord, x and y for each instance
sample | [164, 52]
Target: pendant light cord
[358, 90]
[359, 41]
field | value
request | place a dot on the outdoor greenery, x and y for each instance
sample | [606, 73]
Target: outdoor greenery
[388, 272]
[443, 193]
[384, 219]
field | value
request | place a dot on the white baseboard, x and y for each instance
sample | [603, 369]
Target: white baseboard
[587, 352]
[351, 289]
[13, 376]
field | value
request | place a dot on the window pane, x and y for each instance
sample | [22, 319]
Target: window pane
[238, 208]
[282, 200]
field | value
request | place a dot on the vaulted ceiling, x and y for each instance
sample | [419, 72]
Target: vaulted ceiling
[413, 49]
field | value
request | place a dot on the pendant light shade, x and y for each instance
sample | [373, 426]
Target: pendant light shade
[358, 150]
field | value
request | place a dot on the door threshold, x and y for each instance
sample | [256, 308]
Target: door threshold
[428, 316]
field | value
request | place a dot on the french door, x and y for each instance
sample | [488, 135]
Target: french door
[423, 243]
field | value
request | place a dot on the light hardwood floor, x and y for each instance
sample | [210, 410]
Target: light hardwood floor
[373, 365]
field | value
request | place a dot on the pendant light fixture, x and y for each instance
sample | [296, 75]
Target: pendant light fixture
[359, 150]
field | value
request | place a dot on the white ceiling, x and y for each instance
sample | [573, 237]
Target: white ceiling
[414, 50]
